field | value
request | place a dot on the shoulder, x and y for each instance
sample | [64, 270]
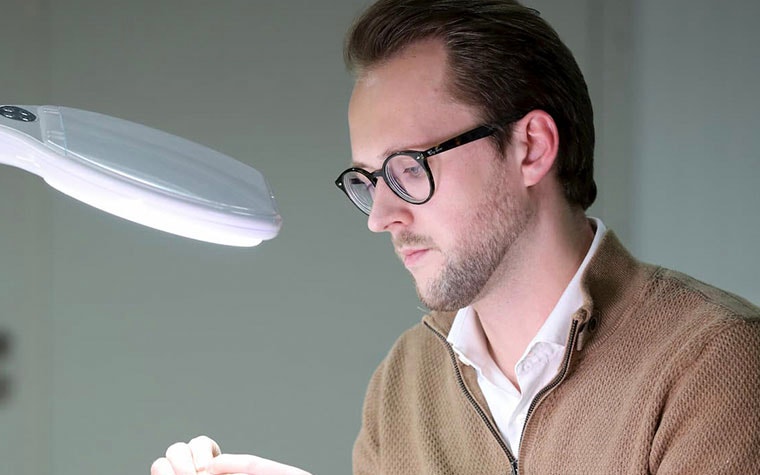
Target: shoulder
[698, 312]
[421, 353]
[696, 325]
[689, 295]
[618, 284]
[668, 321]
[419, 350]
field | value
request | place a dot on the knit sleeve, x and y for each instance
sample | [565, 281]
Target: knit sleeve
[710, 421]
[366, 448]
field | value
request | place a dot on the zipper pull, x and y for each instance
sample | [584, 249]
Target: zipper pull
[585, 331]
[514, 467]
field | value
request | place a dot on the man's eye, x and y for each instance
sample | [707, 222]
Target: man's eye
[414, 171]
[358, 183]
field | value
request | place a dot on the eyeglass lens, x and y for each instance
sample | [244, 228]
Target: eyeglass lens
[405, 176]
[360, 189]
[408, 178]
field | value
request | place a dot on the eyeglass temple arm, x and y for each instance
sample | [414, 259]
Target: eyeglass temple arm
[467, 137]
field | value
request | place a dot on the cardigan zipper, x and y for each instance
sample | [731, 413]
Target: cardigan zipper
[460, 381]
[571, 342]
[571, 339]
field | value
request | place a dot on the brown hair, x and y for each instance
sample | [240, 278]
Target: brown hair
[505, 60]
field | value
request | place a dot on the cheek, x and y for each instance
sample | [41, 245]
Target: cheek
[460, 197]
[449, 224]
[465, 185]
[457, 186]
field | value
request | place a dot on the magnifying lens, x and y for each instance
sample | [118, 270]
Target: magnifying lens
[141, 174]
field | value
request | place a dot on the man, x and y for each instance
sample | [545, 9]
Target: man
[549, 349]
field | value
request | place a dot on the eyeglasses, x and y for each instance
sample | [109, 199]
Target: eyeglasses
[406, 173]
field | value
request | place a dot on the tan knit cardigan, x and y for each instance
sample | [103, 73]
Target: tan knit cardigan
[662, 375]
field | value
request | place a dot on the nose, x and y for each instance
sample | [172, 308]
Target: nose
[388, 210]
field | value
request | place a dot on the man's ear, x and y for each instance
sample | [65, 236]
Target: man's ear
[538, 135]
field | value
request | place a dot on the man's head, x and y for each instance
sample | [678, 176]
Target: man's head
[431, 72]
[504, 60]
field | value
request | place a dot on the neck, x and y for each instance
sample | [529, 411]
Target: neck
[540, 266]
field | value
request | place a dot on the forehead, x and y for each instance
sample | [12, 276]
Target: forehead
[416, 74]
[404, 103]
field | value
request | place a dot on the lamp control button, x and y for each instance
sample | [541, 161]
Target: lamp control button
[17, 113]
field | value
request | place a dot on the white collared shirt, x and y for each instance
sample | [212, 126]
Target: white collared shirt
[537, 366]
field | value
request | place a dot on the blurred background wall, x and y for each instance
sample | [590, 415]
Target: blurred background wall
[121, 340]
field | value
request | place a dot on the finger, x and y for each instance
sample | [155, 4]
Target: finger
[181, 459]
[203, 450]
[161, 466]
[250, 465]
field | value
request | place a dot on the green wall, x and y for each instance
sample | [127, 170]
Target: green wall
[127, 339]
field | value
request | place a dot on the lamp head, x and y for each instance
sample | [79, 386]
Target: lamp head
[141, 174]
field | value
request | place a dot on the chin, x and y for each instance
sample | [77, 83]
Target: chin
[432, 301]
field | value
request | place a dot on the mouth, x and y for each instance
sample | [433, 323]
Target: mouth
[412, 257]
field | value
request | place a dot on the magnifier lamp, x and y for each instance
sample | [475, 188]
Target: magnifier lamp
[141, 174]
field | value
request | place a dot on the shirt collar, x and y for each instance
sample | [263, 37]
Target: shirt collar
[468, 339]
[557, 324]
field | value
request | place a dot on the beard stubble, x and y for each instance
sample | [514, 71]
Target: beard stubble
[493, 230]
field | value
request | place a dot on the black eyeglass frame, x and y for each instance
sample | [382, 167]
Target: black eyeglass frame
[421, 157]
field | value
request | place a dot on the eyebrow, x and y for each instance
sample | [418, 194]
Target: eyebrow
[387, 153]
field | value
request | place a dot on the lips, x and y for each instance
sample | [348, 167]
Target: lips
[412, 257]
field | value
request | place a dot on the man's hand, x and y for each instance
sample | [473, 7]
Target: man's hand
[249, 465]
[202, 456]
[191, 458]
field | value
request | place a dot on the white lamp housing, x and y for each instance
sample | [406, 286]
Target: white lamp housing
[141, 174]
